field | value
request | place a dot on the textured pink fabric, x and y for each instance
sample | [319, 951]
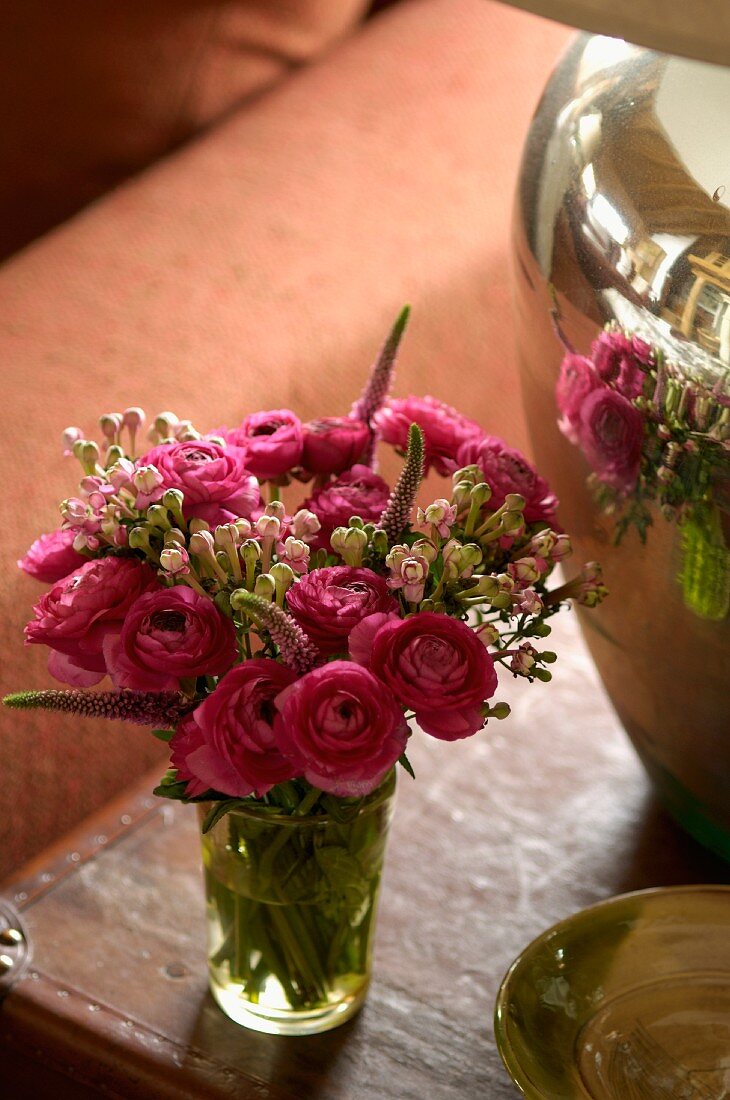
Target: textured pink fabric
[260, 267]
[94, 90]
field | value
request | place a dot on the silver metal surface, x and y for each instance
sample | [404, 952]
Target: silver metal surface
[623, 213]
[634, 181]
[15, 952]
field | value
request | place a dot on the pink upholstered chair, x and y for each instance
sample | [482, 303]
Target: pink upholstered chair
[223, 206]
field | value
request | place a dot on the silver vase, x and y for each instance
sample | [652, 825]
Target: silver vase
[623, 213]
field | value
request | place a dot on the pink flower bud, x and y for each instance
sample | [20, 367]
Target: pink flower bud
[174, 561]
[524, 571]
[275, 508]
[451, 550]
[350, 543]
[562, 548]
[146, 479]
[202, 543]
[591, 573]
[487, 633]
[265, 586]
[528, 602]
[164, 424]
[226, 535]
[109, 517]
[442, 515]
[305, 525]
[268, 527]
[523, 661]
[97, 501]
[541, 545]
[133, 418]
[294, 553]
[120, 474]
[425, 549]
[92, 484]
[89, 454]
[110, 424]
[70, 436]
[85, 541]
[185, 432]
[407, 571]
[196, 524]
[460, 560]
[243, 527]
[75, 511]
[591, 590]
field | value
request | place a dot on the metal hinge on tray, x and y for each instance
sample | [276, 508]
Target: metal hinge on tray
[14, 947]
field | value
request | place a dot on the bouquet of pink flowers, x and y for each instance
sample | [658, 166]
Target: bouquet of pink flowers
[282, 649]
[653, 435]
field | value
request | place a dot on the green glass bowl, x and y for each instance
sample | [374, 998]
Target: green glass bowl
[627, 1000]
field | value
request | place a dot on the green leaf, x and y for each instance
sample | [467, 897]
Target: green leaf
[405, 763]
[172, 789]
[219, 810]
[163, 735]
[341, 810]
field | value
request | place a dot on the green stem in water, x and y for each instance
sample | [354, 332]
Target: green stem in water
[294, 935]
[705, 572]
[267, 860]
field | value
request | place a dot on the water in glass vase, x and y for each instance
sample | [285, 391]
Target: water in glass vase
[291, 911]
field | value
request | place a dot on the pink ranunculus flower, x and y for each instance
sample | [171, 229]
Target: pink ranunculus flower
[507, 471]
[328, 603]
[611, 435]
[362, 636]
[439, 668]
[357, 492]
[341, 728]
[52, 557]
[444, 429]
[228, 745]
[185, 742]
[77, 614]
[272, 441]
[169, 635]
[333, 444]
[621, 361]
[215, 480]
[576, 380]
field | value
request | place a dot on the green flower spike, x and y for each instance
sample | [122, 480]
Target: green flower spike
[400, 504]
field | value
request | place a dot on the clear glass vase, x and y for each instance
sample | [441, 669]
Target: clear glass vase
[291, 904]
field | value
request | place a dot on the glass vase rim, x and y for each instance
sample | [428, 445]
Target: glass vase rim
[384, 792]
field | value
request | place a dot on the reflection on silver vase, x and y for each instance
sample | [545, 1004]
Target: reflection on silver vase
[623, 214]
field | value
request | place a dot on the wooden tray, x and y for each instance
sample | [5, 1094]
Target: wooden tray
[501, 836]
